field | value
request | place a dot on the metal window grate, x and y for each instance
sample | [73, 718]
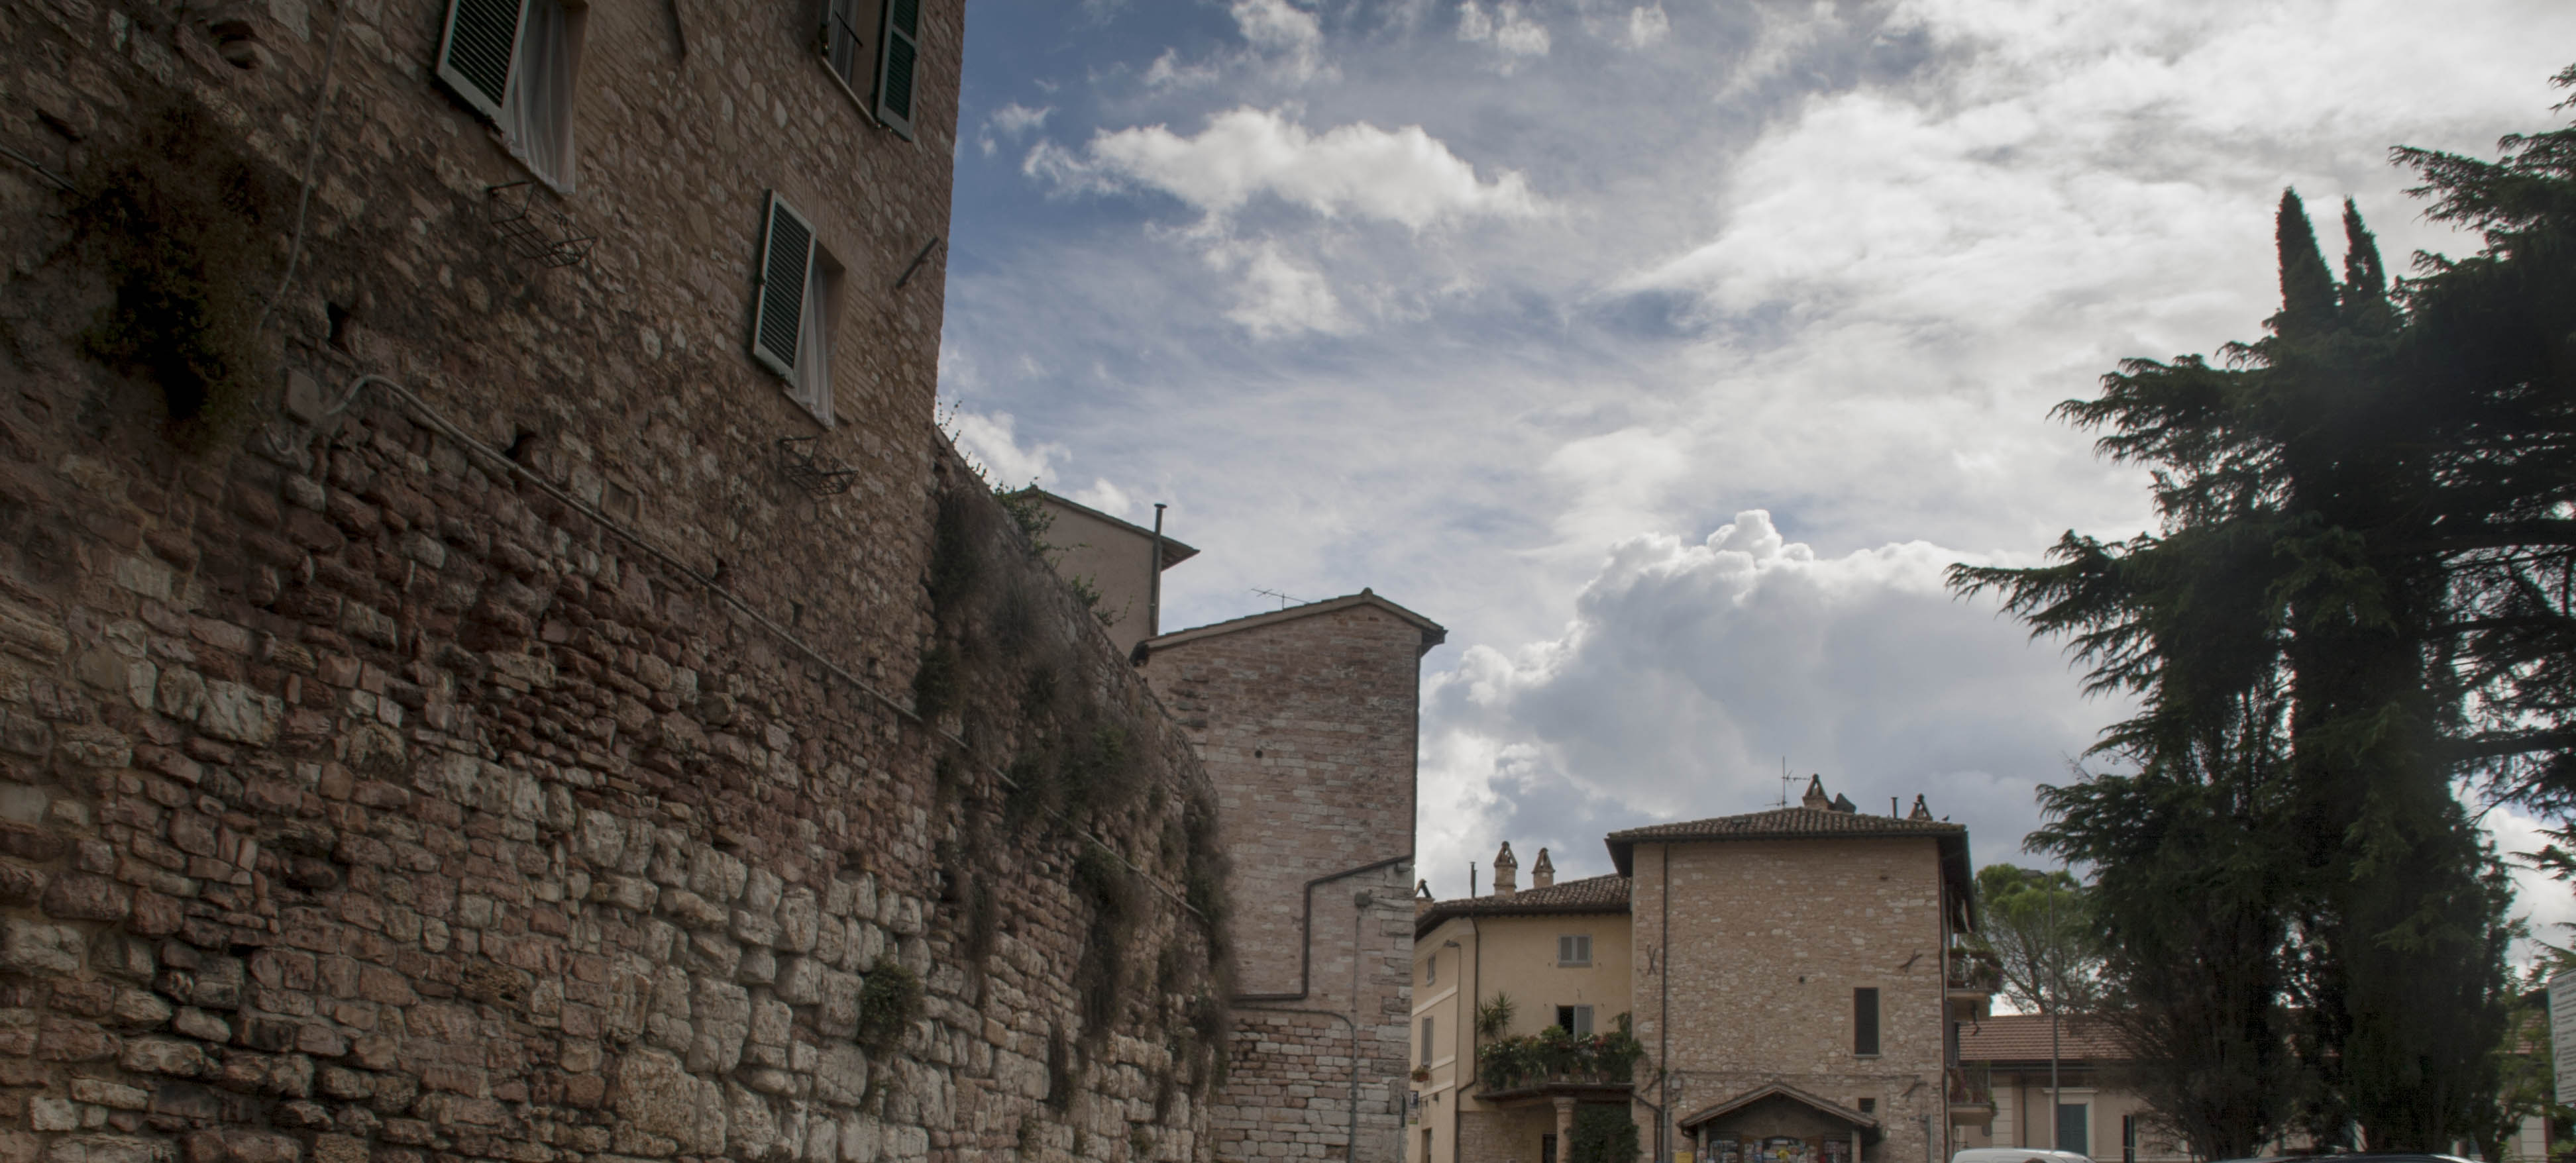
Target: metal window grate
[514, 215]
[816, 474]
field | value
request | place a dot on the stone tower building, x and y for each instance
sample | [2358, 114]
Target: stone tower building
[1306, 719]
[496, 661]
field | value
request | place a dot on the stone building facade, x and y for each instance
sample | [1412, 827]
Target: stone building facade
[475, 683]
[1306, 719]
[1796, 979]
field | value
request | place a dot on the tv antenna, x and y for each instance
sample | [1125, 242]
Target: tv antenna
[1284, 600]
[1784, 782]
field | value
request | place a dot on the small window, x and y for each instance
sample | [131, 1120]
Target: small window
[791, 329]
[1426, 1041]
[1577, 1020]
[1574, 949]
[1865, 1022]
[1869, 1106]
[849, 27]
[1431, 969]
[513, 61]
[2074, 1129]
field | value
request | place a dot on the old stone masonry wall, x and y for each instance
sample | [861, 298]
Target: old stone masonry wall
[559, 864]
[508, 759]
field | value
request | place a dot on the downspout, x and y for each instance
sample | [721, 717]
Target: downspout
[1306, 932]
[1154, 580]
[1664, 1010]
[1351, 1140]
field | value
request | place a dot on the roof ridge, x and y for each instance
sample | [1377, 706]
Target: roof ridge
[1433, 633]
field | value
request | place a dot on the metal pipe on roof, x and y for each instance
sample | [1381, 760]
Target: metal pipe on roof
[1154, 579]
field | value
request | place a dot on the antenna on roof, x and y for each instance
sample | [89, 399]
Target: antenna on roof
[1284, 599]
[1784, 783]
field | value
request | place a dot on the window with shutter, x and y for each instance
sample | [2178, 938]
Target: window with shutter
[513, 61]
[792, 308]
[899, 52]
[476, 55]
[1574, 949]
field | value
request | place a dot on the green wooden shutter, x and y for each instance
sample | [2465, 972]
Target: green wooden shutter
[778, 314]
[475, 55]
[899, 56]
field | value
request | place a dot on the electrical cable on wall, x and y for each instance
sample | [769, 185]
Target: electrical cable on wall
[448, 428]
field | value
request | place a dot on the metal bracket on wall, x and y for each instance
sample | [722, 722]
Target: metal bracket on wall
[512, 211]
[818, 475]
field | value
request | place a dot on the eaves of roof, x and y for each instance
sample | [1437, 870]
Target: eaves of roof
[1433, 633]
[1592, 894]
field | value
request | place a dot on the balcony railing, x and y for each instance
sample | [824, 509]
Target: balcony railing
[1975, 970]
[1558, 1057]
[1971, 1086]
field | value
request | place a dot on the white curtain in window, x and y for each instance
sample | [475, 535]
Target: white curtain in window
[536, 116]
[814, 345]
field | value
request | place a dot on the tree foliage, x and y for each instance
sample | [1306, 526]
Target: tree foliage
[2039, 925]
[2357, 599]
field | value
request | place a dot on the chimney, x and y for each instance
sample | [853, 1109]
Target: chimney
[1921, 811]
[1542, 874]
[1844, 805]
[1504, 867]
[1816, 797]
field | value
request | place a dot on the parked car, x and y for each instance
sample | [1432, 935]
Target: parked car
[2354, 1157]
[2018, 1155]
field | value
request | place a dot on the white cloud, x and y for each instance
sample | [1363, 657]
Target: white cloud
[1647, 24]
[1693, 668]
[1107, 498]
[1010, 122]
[988, 440]
[1509, 30]
[1168, 72]
[2547, 906]
[1403, 175]
[1278, 297]
[1283, 32]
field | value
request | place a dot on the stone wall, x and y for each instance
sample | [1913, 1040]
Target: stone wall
[1769, 939]
[531, 772]
[1306, 722]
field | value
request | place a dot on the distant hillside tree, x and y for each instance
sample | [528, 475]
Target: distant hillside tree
[2039, 925]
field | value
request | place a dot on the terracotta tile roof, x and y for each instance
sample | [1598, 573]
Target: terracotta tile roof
[1785, 824]
[2024, 1038]
[1433, 633]
[1592, 894]
[1789, 822]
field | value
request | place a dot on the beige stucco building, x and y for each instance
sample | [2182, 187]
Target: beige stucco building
[2007, 1058]
[1794, 977]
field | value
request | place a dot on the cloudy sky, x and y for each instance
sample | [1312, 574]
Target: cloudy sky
[1666, 353]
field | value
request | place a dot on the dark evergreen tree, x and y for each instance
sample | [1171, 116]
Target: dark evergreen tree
[2357, 595]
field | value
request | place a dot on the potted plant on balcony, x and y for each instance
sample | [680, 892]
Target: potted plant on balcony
[1422, 1074]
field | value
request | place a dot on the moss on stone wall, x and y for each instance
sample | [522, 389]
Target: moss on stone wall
[180, 221]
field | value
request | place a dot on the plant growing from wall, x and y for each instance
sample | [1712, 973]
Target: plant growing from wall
[1557, 1054]
[1494, 1016]
[179, 222]
[1602, 1134]
[889, 1003]
[1084, 771]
